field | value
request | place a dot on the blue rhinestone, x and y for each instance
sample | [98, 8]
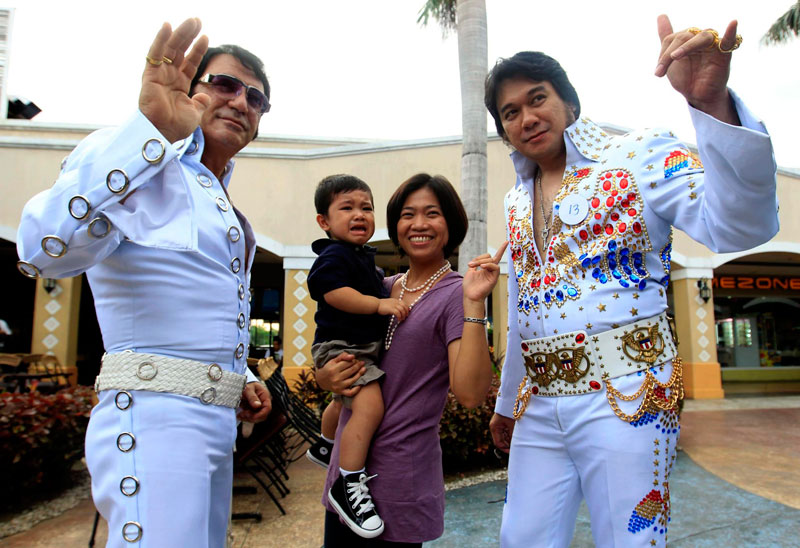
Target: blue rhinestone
[612, 256]
[634, 278]
[596, 259]
[536, 301]
[637, 255]
[624, 259]
[641, 271]
[572, 292]
[623, 283]
[612, 245]
[583, 256]
[560, 295]
[627, 270]
[603, 278]
[612, 264]
[642, 284]
[616, 273]
[625, 251]
[596, 273]
[586, 263]
[547, 297]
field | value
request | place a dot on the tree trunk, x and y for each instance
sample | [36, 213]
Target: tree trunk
[472, 61]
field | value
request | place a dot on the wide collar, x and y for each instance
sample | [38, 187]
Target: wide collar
[192, 147]
[583, 138]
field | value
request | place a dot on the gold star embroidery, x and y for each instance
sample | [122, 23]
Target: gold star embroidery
[555, 331]
[615, 295]
[639, 138]
[652, 542]
[656, 451]
[601, 307]
[635, 295]
[631, 154]
[650, 167]
[614, 325]
[595, 156]
[563, 316]
[592, 287]
[692, 184]
[547, 315]
[692, 196]
[588, 326]
[580, 308]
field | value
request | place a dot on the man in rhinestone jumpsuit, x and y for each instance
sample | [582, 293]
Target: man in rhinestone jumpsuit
[144, 210]
[588, 398]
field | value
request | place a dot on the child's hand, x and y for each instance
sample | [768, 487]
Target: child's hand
[393, 307]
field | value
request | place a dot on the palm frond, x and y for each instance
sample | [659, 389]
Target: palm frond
[443, 11]
[782, 30]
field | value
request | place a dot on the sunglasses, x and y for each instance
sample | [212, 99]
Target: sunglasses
[230, 86]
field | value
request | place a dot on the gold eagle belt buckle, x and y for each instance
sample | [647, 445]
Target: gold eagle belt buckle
[643, 345]
[569, 364]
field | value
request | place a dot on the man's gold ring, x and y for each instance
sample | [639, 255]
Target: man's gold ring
[154, 62]
[735, 45]
[167, 60]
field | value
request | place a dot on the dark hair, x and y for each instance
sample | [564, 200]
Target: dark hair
[452, 208]
[247, 59]
[535, 66]
[332, 185]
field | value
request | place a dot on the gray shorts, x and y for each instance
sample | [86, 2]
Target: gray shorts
[368, 353]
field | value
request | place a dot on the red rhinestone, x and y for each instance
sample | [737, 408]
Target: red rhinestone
[583, 234]
[607, 185]
[598, 216]
[524, 347]
[614, 192]
[615, 216]
[637, 228]
[632, 212]
[595, 202]
[620, 174]
[579, 338]
[632, 196]
[535, 390]
[609, 229]
[621, 227]
[626, 204]
[595, 385]
[610, 201]
[623, 183]
[597, 229]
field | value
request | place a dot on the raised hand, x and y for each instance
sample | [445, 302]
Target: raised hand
[697, 64]
[482, 275]
[164, 97]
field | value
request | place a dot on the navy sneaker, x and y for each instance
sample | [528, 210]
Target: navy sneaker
[350, 497]
[320, 453]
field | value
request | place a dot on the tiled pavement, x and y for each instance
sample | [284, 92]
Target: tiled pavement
[737, 483]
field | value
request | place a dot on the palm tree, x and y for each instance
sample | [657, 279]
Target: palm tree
[781, 30]
[468, 18]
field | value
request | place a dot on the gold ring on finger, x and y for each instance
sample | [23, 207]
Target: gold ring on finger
[735, 45]
[167, 60]
[715, 34]
[154, 62]
[694, 30]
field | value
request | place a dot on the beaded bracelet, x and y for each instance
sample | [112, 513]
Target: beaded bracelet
[475, 320]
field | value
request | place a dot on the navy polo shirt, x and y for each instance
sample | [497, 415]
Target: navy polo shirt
[342, 264]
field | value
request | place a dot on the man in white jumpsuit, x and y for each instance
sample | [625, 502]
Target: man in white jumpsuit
[591, 381]
[144, 210]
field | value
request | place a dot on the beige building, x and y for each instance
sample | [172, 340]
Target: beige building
[747, 323]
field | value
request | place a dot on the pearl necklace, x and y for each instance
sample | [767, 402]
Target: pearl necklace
[393, 323]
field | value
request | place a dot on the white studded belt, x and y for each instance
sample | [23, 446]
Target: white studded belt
[136, 371]
[577, 363]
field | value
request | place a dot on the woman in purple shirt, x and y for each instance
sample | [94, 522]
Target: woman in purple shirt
[441, 345]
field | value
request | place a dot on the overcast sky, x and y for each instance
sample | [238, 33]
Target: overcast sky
[365, 68]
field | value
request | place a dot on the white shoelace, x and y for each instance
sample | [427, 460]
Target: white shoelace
[359, 492]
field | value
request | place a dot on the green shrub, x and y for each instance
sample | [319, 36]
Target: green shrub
[41, 436]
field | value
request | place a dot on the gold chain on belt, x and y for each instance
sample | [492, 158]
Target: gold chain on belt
[651, 402]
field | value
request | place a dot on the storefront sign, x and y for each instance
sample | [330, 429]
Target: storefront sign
[762, 283]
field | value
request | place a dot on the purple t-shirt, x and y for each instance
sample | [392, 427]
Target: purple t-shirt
[405, 451]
